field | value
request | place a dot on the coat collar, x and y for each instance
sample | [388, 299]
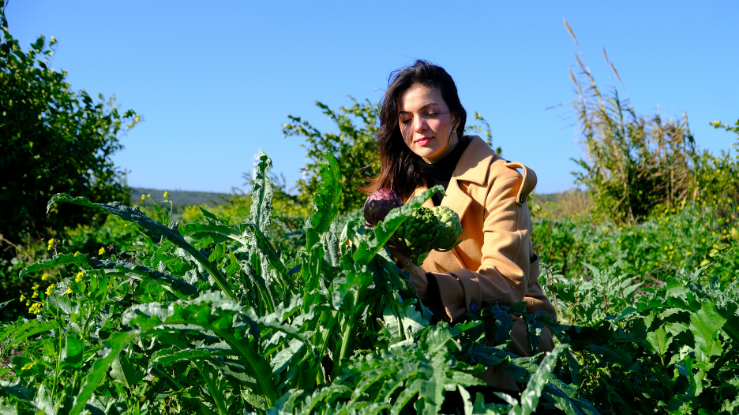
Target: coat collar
[473, 166]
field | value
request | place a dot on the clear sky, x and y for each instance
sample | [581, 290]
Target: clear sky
[215, 81]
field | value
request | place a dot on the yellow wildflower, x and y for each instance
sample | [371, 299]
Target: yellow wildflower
[23, 297]
[51, 244]
[35, 287]
[143, 197]
[28, 302]
[35, 308]
[44, 277]
[78, 278]
[149, 195]
[101, 251]
[50, 289]
[165, 193]
[35, 294]
[69, 290]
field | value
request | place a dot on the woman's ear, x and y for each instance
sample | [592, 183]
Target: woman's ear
[455, 122]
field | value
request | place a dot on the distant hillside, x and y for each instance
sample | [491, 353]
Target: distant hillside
[182, 198]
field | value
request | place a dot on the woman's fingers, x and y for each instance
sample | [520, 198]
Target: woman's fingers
[399, 256]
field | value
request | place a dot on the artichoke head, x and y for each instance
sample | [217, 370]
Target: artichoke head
[450, 228]
[379, 204]
[416, 236]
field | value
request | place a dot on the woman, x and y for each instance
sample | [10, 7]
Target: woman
[421, 145]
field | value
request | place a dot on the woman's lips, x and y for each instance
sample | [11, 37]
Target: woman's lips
[423, 141]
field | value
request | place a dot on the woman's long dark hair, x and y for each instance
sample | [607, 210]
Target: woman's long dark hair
[399, 171]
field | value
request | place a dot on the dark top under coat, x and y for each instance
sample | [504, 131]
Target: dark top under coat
[440, 173]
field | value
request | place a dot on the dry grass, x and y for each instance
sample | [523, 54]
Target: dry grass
[572, 203]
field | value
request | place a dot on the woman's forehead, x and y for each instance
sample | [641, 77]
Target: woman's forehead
[418, 97]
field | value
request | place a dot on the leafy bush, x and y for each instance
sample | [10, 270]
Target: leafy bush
[635, 164]
[115, 235]
[53, 140]
[688, 237]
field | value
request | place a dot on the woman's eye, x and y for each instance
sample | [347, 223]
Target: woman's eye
[431, 115]
[405, 120]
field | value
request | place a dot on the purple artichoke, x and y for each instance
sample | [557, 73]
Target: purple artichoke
[379, 204]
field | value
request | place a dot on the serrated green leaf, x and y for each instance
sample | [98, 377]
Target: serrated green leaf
[705, 324]
[530, 395]
[125, 373]
[113, 346]
[73, 358]
[658, 341]
[566, 398]
[325, 201]
[261, 194]
[26, 330]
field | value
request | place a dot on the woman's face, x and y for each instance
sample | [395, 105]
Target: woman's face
[426, 123]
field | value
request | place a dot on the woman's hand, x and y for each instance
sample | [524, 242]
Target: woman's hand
[418, 275]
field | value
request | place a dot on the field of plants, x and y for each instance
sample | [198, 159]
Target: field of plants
[282, 303]
[251, 316]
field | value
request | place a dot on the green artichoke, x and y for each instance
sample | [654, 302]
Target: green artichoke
[449, 228]
[428, 229]
[416, 235]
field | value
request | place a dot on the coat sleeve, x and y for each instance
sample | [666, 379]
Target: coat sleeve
[506, 261]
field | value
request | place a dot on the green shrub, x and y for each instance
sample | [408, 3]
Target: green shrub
[678, 238]
[53, 140]
[635, 164]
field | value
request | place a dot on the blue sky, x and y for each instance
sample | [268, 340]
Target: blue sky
[215, 81]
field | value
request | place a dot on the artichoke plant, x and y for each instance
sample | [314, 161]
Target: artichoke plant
[436, 228]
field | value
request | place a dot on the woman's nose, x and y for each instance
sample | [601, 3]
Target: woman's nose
[419, 124]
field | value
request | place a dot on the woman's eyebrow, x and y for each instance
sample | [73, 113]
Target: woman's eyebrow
[423, 107]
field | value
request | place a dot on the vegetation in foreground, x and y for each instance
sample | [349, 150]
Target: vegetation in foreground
[260, 306]
[209, 317]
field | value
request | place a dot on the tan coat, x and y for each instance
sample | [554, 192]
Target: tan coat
[495, 261]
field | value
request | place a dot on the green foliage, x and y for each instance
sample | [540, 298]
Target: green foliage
[353, 147]
[635, 164]
[53, 140]
[689, 237]
[209, 318]
[667, 350]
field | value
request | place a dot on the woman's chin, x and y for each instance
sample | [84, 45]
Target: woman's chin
[425, 152]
